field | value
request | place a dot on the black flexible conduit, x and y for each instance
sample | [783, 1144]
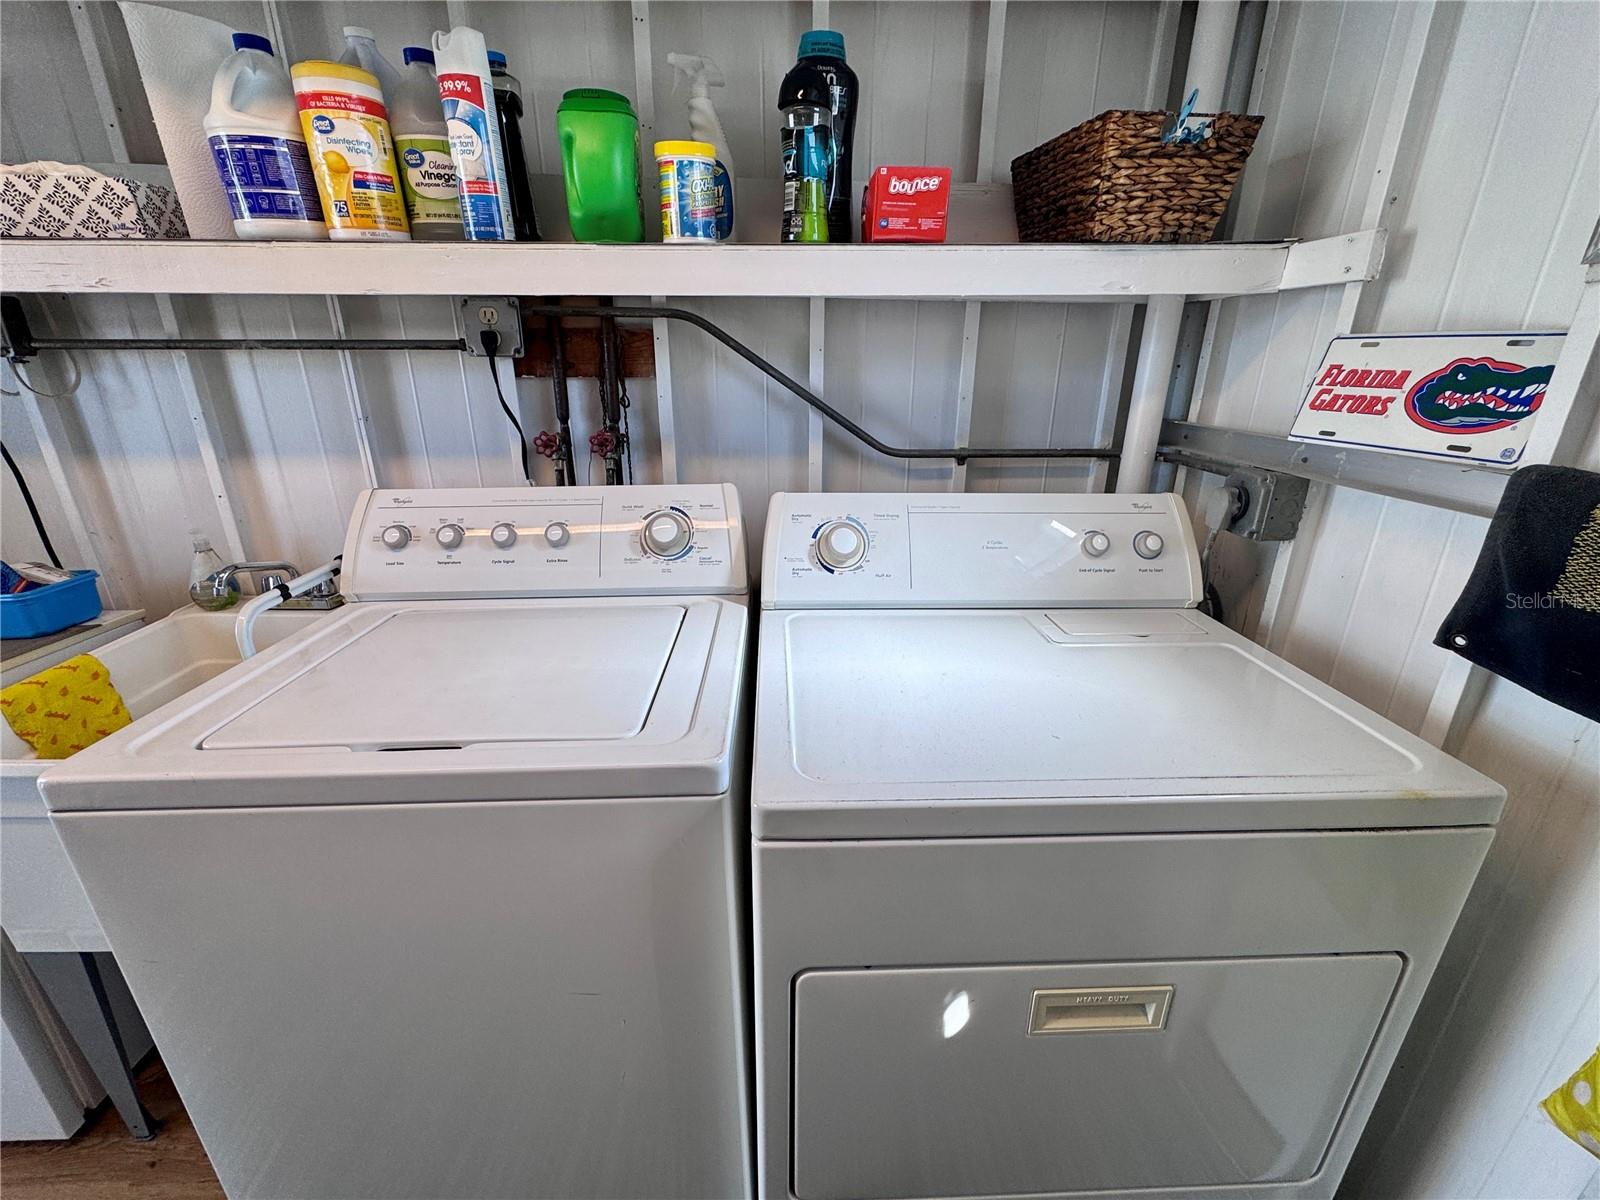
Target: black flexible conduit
[960, 454]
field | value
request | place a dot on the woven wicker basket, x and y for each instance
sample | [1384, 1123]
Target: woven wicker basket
[1112, 180]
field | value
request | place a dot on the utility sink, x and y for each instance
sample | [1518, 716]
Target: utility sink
[45, 907]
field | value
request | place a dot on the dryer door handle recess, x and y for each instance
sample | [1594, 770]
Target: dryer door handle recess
[1090, 1010]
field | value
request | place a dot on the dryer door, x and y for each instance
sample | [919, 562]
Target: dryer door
[986, 1081]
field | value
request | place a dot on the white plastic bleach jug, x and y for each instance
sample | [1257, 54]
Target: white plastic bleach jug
[259, 147]
[361, 50]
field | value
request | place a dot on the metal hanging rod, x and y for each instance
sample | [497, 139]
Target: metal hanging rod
[22, 345]
[246, 343]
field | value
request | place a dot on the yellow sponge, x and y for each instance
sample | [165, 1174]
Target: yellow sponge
[60, 711]
[1575, 1106]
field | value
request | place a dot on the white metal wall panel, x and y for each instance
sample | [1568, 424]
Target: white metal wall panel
[1047, 375]
[733, 423]
[891, 366]
[1063, 64]
[1478, 251]
[1489, 236]
[1514, 1006]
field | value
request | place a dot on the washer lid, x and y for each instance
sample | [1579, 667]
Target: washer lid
[440, 676]
[941, 723]
[428, 701]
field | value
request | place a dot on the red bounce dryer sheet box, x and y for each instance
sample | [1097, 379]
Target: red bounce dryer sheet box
[905, 204]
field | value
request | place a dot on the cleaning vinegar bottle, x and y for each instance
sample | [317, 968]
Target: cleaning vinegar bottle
[705, 126]
[260, 150]
[433, 203]
[466, 90]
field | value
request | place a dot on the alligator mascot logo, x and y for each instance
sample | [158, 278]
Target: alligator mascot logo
[1476, 395]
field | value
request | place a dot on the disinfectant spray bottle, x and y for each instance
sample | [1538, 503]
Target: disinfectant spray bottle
[466, 89]
[704, 126]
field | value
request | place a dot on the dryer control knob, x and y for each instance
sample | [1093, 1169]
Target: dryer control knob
[1147, 544]
[504, 535]
[450, 536]
[396, 537]
[841, 545]
[1095, 543]
[557, 534]
[666, 533]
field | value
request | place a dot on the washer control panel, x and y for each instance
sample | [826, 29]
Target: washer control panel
[436, 543]
[909, 550]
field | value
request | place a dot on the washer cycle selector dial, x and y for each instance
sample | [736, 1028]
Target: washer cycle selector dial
[396, 537]
[557, 534]
[1095, 543]
[841, 545]
[504, 535]
[450, 536]
[1148, 544]
[666, 533]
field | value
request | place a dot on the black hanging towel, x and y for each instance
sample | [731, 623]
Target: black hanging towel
[1531, 610]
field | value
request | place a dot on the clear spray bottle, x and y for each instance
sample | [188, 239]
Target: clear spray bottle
[704, 126]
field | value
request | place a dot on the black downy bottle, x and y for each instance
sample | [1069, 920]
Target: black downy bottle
[822, 51]
[508, 106]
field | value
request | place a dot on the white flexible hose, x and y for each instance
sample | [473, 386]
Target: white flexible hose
[244, 627]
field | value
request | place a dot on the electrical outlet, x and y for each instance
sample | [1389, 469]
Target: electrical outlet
[501, 315]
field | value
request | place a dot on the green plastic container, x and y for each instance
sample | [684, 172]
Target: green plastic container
[600, 162]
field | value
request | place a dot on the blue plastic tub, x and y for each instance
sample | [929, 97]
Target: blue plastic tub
[51, 608]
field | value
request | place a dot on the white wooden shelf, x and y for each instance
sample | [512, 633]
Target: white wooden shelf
[985, 272]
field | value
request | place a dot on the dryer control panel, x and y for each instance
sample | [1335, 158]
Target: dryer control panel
[462, 543]
[994, 550]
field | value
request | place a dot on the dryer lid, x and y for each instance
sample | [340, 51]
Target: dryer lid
[997, 722]
[443, 676]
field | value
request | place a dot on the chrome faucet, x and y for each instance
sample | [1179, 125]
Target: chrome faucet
[220, 589]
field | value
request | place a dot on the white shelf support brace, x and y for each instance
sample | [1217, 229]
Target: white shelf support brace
[645, 104]
[189, 381]
[1151, 377]
[989, 120]
[1418, 72]
[666, 422]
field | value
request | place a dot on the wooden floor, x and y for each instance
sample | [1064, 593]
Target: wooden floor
[103, 1163]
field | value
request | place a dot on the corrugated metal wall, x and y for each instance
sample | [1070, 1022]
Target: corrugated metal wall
[1489, 236]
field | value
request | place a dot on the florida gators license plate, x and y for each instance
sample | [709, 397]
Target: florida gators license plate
[1447, 395]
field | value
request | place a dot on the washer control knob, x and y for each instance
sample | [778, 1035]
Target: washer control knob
[1095, 543]
[666, 533]
[557, 534]
[396, 537]
[841, 545]
[504, 535]
[450, 536]
[1148, 544]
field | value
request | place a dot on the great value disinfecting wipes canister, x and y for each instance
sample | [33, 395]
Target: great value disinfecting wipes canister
[352, 151]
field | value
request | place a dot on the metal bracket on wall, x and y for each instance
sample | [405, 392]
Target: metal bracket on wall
[1443, 483]
[1271, 505]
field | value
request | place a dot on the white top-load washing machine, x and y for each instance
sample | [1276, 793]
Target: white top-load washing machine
[1062, 888]
[441, 897]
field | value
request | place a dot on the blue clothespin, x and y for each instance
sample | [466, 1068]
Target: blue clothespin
[1177, 131]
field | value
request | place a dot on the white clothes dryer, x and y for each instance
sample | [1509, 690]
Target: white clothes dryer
[1062, 888]
[442, 896]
